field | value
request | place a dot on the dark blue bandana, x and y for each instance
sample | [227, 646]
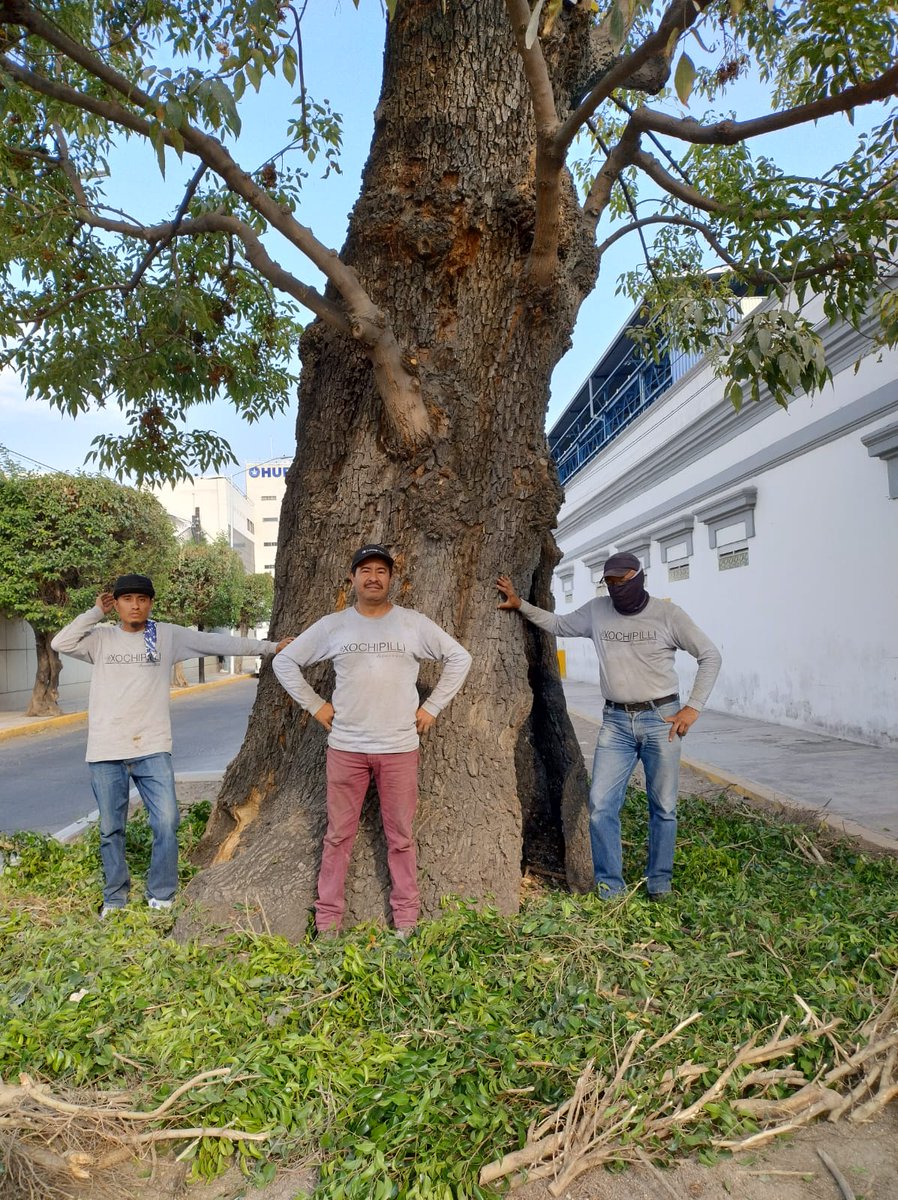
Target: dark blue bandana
[149, 641]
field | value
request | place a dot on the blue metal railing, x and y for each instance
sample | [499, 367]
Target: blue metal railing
[616, 400]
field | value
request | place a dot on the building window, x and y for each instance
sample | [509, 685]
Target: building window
[269, 543]
[268, 567]
[730, 520]
[269, 519]
[676, 572]
[268, 497]
[250, 527]
[729, 557]
[567, 584]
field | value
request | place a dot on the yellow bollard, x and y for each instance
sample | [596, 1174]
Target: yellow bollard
[562, 666]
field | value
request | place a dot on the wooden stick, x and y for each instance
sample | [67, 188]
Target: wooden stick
[841, 1182]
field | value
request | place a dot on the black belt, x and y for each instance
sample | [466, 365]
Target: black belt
[642, 705]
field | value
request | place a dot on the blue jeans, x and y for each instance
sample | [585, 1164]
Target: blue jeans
[624, 739]
[155, 781]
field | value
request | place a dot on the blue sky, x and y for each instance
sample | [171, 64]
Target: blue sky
[342, 63]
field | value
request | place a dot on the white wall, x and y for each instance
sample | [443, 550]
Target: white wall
[809, 628]
[18, 664]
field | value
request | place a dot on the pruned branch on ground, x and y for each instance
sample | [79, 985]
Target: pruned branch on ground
[52, 1143]
[600, 1123]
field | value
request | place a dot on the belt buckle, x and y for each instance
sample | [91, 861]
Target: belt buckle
[635, 706]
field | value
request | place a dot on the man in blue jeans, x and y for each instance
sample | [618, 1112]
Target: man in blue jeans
[636, 638]
[129, 724]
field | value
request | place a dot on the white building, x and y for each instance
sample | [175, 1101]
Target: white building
[776, 531]
[212, 506]
[266, 483]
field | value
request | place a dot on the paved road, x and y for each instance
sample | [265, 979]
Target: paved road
[44, 781]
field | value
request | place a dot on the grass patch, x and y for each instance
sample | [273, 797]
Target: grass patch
[402, 1069]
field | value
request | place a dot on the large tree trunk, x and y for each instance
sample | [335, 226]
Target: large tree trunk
[439, 238]
[45, 693]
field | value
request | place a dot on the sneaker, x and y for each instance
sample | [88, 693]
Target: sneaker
[152, 902]
[660, 897]
[110, 908]
[405, 932]
[327, 935]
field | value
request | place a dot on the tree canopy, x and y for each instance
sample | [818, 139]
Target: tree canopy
[206, 586]
[64, 538]
[628, 98]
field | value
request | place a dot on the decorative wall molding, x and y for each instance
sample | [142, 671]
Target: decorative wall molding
[672, 536]
[884, 444]
[736, 511]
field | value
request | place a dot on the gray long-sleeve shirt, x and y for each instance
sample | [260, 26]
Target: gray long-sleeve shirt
[376, 663]
[128, 705]
[636, 652]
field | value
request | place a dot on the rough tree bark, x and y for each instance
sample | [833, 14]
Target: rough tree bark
[45, 692]
[439, 238]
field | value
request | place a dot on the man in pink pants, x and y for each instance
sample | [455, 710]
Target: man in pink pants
[374, 724]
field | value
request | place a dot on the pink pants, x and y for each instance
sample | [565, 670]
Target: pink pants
[348, 776]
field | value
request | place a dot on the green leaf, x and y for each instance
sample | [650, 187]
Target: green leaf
[617, 26]
[684, 78]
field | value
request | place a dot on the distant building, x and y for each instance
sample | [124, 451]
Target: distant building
[776, 531]
[210, 506]
[266, 483]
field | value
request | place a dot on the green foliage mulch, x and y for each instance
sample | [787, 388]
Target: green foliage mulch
[402, 1069]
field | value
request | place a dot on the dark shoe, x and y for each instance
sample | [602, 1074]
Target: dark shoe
[328, 935]
[660, 897]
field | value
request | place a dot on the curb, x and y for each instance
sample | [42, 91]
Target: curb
[42, 724]
[758, 794]
[71, 833]
[762, 796]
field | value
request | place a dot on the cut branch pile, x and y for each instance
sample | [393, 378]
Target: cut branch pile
[51, 1146]
[632, 1118]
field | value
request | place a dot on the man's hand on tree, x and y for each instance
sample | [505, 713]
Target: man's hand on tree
[507, 588]
[424, 720]
[282, 643]
[325, 716]
[681, 721]
[105, 600]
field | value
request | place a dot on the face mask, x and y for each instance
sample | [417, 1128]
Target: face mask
[631, 597]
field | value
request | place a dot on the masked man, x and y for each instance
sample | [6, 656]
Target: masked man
[636, 638]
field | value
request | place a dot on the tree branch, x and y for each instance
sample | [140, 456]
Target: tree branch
[620, 157]
[675, 187]
[680, 15]
[727, 133]
[543, 255]
[157, 249]
[745, 271]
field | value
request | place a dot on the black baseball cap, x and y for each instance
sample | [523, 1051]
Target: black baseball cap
[141, 584]
[620, 564]
[371, 551]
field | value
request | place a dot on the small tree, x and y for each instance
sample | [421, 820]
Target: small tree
[255, 605]
[63, 539]
[205, 588]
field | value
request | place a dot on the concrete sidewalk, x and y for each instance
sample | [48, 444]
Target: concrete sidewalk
[850, 786]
